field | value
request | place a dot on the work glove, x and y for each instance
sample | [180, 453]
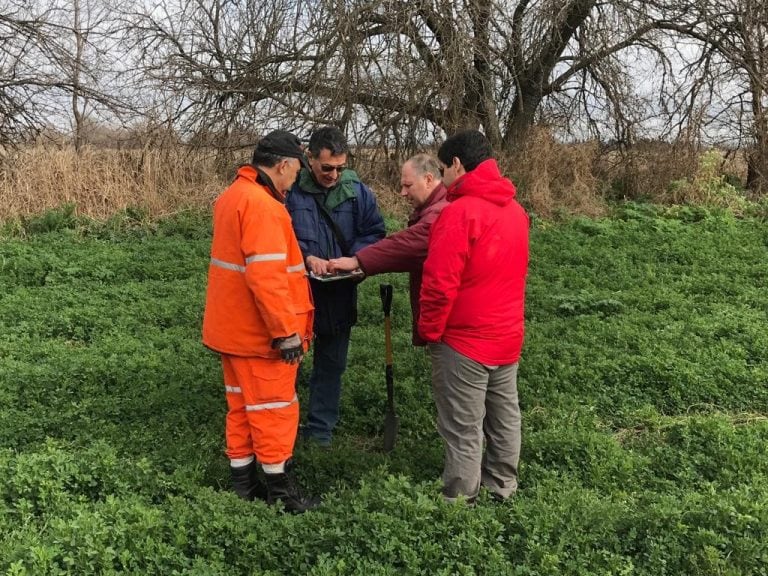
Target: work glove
[290, 347]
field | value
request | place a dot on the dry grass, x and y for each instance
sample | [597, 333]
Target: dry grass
[653, 170]
[552, 177]
[100, 182]
[648, 169]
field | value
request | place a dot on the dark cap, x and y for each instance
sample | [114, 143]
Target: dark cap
[282, 143]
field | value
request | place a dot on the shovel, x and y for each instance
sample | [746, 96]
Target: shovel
[391, 420]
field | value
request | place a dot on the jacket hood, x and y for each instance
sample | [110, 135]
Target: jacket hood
[486, 182]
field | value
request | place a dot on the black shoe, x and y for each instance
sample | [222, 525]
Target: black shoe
[283, 487]
[311, 440]
[246, 482]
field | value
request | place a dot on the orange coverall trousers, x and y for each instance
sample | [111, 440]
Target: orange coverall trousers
[263, 416]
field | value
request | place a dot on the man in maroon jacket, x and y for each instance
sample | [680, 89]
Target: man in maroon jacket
[472, 301]
[405, 251]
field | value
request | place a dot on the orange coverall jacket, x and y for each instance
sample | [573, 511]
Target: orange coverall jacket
[257, 288]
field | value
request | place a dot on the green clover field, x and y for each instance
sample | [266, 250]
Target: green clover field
[643, 382]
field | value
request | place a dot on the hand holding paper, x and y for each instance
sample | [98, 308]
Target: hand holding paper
[344, 264]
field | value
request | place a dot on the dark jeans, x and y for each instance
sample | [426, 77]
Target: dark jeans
[329, 363]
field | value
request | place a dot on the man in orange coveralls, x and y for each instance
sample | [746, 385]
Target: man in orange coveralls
[258, 316]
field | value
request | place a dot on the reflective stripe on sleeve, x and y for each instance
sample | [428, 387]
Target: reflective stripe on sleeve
[227, 265]
[270, 405]
[296, 268]
[251, 259]
[233, 389]
[265, 258]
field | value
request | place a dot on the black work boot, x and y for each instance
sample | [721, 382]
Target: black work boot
[246, 482]
[283, 487]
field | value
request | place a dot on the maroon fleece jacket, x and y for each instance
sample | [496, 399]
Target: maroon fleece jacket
[405, 251]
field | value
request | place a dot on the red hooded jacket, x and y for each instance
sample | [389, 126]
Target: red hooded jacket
[473, 286]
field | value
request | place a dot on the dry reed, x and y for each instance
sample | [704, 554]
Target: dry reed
[555, 177]
[552, 177]
[100, 182]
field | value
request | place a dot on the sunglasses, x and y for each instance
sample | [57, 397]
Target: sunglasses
[326, 168]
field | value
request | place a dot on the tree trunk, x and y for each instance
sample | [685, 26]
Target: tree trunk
[77, 65]
[757, 170]
[533, 74]
[757, 163]
[523, 115]
[480, 94]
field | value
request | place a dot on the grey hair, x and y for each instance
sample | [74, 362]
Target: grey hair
[425, 164]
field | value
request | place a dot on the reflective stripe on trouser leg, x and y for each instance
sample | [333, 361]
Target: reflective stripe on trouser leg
[270, 406]
[459, 387]
[238, 431]
[502, 431]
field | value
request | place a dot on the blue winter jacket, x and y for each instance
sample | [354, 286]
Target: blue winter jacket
[353, 207]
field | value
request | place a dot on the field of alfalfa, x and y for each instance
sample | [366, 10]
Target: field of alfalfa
[644, 385]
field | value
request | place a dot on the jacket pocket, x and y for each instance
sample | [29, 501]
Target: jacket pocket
[305, 227]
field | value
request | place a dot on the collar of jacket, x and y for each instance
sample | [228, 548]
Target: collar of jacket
[437, 195]
[250, 172]
[267, 181]
[344, 190]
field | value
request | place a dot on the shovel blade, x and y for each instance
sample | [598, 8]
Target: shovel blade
[391, 425]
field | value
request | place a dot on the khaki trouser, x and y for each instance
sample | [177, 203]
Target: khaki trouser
[476, 402]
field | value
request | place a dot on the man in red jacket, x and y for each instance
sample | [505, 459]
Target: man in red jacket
[405, 251]
[472, 301]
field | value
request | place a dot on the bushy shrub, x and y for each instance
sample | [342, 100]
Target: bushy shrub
[709, 186]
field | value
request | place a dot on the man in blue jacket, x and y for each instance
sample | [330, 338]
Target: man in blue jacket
[334, 215]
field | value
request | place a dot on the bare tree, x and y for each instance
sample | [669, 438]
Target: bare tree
[730, 74]
[89, 60]
[79, 102]
[389, 72]
[56, 61]
[23, 42]
[397, 69]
